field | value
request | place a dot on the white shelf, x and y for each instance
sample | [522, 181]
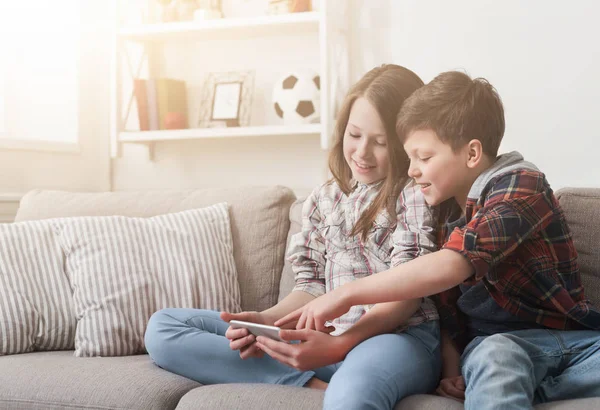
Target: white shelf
[256, 26]
[200, 133]
[329, 25]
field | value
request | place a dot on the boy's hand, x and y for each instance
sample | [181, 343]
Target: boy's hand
[242, 339]
[314, 314]
[452, 388]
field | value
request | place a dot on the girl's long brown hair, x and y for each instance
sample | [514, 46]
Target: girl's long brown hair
[385, 87]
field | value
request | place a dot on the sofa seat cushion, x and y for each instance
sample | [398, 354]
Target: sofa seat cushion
[261, 396]
[431, 402]
[58, 380]
[428, 402]
[264, 396]
[252, 396]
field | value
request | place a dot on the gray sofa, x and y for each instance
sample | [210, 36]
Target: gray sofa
[262, 220]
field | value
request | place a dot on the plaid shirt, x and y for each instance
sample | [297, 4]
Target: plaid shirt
[520, 246]
[324, 256]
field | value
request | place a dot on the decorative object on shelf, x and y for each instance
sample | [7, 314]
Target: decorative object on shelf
[289, 6]
[168, 12]
[297, 97]
[186, 9]
[300, 6]
[244, 8]
[278, 7]
[208, 10]
[227, 99]
[134, 13]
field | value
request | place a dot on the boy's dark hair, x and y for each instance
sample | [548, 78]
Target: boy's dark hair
[458, 109]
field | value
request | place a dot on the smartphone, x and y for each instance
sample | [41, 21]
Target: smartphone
[256, 329]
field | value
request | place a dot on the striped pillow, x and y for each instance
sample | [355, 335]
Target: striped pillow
[35, 297]
[124, 269]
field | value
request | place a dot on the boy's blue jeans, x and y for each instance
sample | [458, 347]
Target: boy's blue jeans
[375, 374]
[516, 370]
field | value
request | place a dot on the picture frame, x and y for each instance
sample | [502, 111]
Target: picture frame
[227, 99]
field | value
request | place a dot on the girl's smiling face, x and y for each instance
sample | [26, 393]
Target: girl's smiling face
[365, 143]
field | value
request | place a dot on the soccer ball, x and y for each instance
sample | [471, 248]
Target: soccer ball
[296, 98]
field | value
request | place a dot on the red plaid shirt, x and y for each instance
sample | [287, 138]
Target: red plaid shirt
[520, 246]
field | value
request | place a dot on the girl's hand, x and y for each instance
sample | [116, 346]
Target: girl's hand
[317, 349]
[242, 339]
[314, 314]
[452, 388]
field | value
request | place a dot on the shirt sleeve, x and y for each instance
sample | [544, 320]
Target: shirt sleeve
[306, 251]
[517, 205]
[415, 232]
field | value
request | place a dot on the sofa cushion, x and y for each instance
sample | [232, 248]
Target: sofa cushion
[58, 380]
[431, 402]
[252, 397]
[36, 310]
[288, 279]
[124, 269]
[579, 404]
[582, 210]
[264, 396]
[259, 224]
[428, 402]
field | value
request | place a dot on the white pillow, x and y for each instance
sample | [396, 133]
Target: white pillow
[124, 269]
[36, 310]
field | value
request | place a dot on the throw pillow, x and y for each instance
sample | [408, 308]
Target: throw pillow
[36, 310]
[123, 269]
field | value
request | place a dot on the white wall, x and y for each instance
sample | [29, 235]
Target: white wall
[543, 56]
[296, 162]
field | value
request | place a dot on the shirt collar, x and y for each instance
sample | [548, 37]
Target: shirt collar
[356, 185]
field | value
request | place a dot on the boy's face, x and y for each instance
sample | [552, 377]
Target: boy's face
[365, 143]
[440, 172]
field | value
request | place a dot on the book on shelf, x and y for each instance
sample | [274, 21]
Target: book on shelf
[152, 104]
[162, 104]
[172, 104]
[139, 88]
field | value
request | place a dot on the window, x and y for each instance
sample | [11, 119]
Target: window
[39, 86]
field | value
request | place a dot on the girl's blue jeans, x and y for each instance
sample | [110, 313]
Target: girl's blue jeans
[374, 375]
[516, 370]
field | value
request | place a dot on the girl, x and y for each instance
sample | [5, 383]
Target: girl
[359, 223]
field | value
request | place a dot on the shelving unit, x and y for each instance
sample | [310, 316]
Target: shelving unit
[234, 132]
[256, 26]
[324, 22]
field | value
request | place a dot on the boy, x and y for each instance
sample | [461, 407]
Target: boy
[507, 273]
